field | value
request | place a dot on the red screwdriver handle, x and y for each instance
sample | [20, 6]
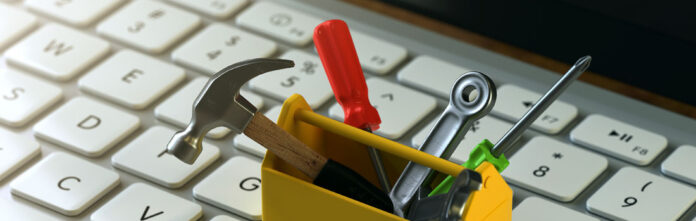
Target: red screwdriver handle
[337, 52]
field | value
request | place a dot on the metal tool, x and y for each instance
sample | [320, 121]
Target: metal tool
[220, 104]
[450, 206]
[544, 102]
[421, 208]
[472, 97]
[337, 52]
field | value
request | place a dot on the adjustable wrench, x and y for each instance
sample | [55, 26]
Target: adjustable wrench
[472, 97]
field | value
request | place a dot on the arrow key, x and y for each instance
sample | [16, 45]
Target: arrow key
[144, 202]
[513, 102]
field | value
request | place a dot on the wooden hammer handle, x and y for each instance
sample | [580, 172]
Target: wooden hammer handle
[282, 144]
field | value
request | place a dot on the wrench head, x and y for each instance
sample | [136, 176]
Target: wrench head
[219, 104]
[473, 95]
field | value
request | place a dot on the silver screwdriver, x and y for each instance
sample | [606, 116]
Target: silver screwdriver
[544, 102]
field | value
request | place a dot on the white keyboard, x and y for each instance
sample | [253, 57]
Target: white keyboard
[91, 91]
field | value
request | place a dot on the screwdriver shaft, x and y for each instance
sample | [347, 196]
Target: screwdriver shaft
[544, 102]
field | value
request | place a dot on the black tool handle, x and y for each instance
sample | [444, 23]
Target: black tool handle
[342, 180]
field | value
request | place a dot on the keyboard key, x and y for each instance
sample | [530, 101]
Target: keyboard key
[235, 186]
[143, 202]
[57, 52]
[431, 75]
[376, 55]
[618, 139]
[151, 26]
[224, 218]
[307, 78]
[485, 128]
[13, 24]
[537, 209]
[17, 211]
[286, 24]
[248, 145]
[554, 169]
[218, 46]
[177, 108]
[64, 183]
[132, 79]
[146, 157]
[74, 12]
[15, 151]
[633, 194]
[23, 97]
[219, 9]
[87, 126]
[513, 102]
[681, 165]
[399, 108]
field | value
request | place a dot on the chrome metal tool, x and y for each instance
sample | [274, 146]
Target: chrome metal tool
[472, 97]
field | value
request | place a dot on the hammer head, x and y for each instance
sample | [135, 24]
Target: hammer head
[219, 104]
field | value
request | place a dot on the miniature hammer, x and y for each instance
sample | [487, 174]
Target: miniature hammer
[213, 108]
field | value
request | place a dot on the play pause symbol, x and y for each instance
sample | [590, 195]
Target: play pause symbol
[622, 136]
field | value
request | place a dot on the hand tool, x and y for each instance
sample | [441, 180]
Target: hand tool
[219, 104]
[486, 151]
[450, 206]
[472, 97]
[337, 52]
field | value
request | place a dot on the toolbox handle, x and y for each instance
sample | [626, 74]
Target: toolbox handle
[386, 145]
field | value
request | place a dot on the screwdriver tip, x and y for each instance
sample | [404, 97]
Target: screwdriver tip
[583, 63]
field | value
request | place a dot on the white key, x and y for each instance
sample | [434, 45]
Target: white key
[74, 12]
[307, 78]
[23, 97]
[633, 194]
[431, 74]
[13, 24]
[64, 183]
[224, 218]
[485, 128]
[146, 157]
[248, 145]
[57, 52]
[235, 186]
[87, 126]
[376, 55]
[15, 151]
[17, 211]
[537, 209]
[218, 46]
[513, 102]
[219, 9]
[618, 139]
[681, 164]
[286, 24]
[399, 108]
[132, 79]
[151, 26]
[143, 202]
[177, 108]
[553, 168]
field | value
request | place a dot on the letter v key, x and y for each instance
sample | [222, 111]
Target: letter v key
[146, 217]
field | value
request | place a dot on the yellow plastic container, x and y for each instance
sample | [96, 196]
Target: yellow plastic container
[287, 194]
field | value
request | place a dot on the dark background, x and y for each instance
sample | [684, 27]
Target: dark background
[648, 44]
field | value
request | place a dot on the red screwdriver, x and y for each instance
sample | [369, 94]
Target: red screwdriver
[337, 52]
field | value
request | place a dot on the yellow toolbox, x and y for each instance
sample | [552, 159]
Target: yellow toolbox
[287, 194]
